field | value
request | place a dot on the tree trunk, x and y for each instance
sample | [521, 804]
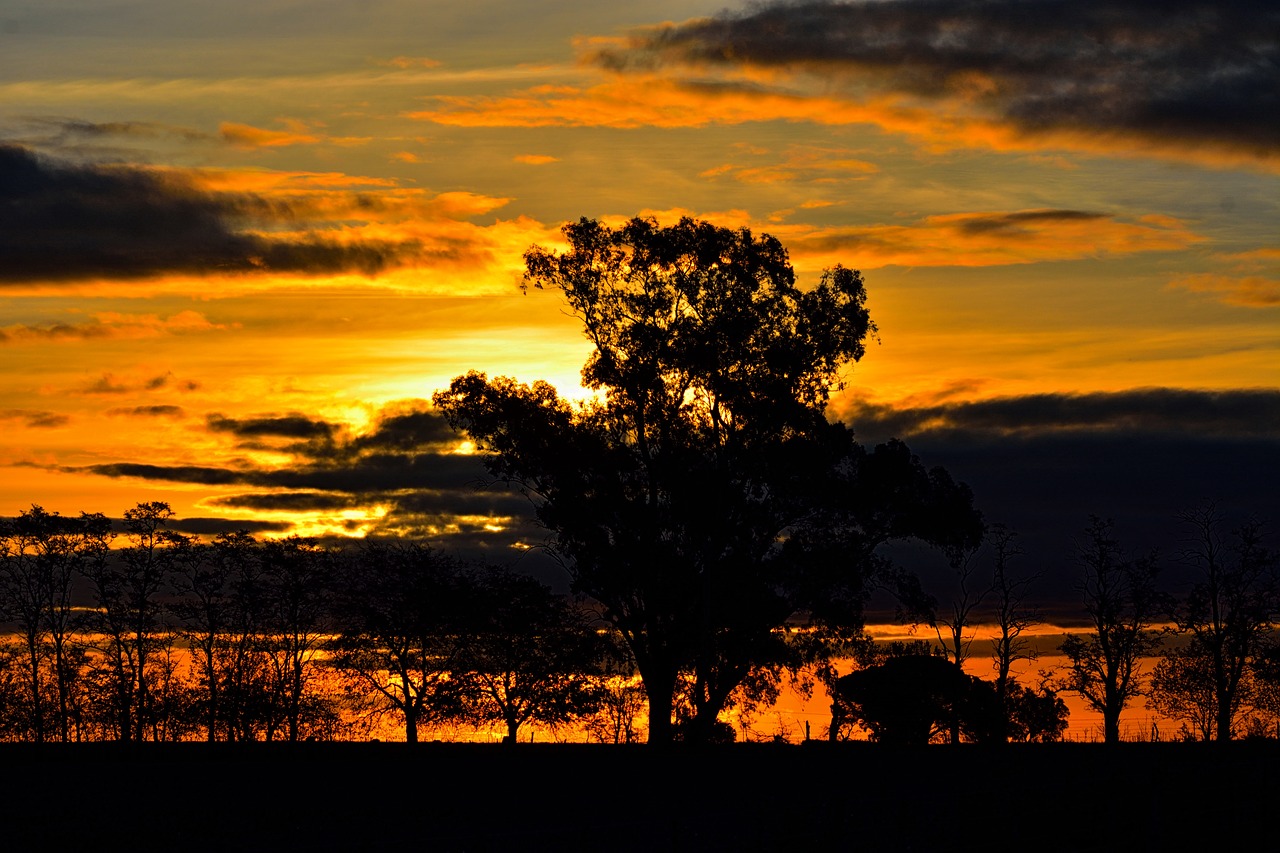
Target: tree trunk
[1111, 726]
[410, 726]
[660, 690]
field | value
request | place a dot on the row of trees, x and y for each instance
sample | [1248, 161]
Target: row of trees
[1216, 669]
[702, 499]
[1219, 672]
[163, 637]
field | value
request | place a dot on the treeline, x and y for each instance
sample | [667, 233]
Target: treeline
[151, 635]
[144, 634]
[1212, 638]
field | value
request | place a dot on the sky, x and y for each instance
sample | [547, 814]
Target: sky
[242, 243]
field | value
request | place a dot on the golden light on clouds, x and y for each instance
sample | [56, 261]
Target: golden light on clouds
[294, 238]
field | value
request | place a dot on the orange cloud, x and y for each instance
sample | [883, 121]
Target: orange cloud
[1251, 291]
[800, 162]
[978, 239]
[113, 325]
[406, 62]
[536, 159]
[985, 239]
[248, 136]
[750, 94]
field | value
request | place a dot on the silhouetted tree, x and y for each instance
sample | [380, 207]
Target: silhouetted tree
[1011, 614]
[127, 619]
[213, 606]
[41, 554]
[295, 584]
[398, 616]
[527, 655]
[1229, 612]
[968, 596]
[1031, 716]
[1182, 689]
[669, 498]
[907, 699]
[1121, 599]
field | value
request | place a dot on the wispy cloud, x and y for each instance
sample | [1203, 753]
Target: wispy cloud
[34, 418]
[113, 325]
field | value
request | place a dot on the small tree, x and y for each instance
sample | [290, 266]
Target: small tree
[1182, 689]
[1229, 613]
[968, 597]
[397, 611]
[127, 588]
[1012, 615]
[527, 655]
[1121, 599]
[296, 594]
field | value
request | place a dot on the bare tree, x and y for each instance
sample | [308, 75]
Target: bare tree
[397, 609]
[1230, 611]
[969, 595]
[296, 592]
[1012, 615]
[41, 553]
[127, 588]
[1122, 602]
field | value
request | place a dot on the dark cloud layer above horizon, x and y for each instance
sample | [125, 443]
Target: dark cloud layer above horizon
[61, 221]
[1041, 464]
[1191, 71]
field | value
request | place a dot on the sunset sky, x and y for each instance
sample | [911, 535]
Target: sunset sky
[242, 243]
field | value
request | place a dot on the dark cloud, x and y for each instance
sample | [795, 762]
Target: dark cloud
[1194, 71]
[1151, 411]
[104, 384]
[214, 526]
[403, 465]
[1012, 224]
[411, 429]
[34, 418]
[61, 222]
[160, 411]
[205, 476]
[289, 501]
[1043, 464]
[285, 426]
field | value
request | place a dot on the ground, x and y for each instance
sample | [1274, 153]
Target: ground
[468, 797]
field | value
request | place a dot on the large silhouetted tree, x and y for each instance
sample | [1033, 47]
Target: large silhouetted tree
[1121, 600]
[704, 497]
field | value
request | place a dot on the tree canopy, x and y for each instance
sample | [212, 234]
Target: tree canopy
[703, 498]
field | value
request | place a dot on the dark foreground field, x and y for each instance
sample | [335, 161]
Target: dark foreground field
[564, 797]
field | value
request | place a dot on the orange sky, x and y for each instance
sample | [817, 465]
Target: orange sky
[290, 226]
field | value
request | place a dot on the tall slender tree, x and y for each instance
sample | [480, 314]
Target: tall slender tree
[1122, 602]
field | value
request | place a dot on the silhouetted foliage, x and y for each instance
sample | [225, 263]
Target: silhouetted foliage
[669, 498]
[397, 618]
[525, 654]
[905, 700]
[1228, 615]
[1121, 599]
[41, 555]
[909, 693]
